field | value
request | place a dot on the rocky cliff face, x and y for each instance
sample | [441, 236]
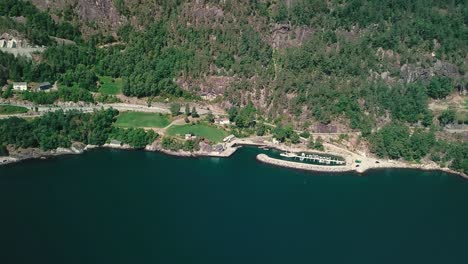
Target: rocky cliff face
[92, 15]
[411, 72]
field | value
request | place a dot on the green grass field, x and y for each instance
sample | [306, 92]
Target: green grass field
[110, 87]
[140, 119]
[211, 133]
[462, 117]
[11, 109]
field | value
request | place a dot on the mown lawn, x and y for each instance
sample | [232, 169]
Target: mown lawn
[11, 109]
[140, 119]
[110, 85]
[211, 133]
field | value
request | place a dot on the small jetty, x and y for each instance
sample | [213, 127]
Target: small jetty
[314, 158]
[302, 165]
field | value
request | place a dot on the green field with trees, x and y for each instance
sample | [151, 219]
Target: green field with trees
[11, 109]
[61, 129]
[141, 119]
[209, 132]
[58, 129]
[110, 86]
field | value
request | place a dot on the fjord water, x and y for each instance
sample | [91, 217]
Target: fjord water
[109, 206]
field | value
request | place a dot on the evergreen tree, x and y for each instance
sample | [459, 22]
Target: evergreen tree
[210, 117]
[175, 109]
[187, 109]
[194, 113]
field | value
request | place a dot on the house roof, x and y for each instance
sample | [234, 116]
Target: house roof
[20, 83]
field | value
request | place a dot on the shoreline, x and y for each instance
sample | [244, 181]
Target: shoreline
[346, 168]
[366, 164]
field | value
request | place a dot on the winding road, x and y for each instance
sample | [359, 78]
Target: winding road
[154, 108]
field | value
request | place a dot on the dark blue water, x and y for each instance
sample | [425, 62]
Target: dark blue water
[139, 207]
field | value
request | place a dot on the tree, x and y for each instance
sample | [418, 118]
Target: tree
[194, 113]
[3, 75]
[281, 12]
[3, 151]
[447, 117]
[210, 117]
[392, 140]
[318, 145]
[421, 143]
[149, 102]
[427, 119]
[171, 143]
[439, 87]
[295, 138]
[305, 134]
[232, 113]
[261, 129]
[282, 133]
[311, 143]
[187, 109]
[245, 117]
[175, 109]
[8, 92]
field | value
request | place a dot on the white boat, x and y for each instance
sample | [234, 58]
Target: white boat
[288, 155]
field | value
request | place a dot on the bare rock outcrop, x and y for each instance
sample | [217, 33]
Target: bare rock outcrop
[102, 12]
[284, 35]
[412, 72]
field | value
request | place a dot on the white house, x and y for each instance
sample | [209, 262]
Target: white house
[20, 86]
[222, 121]
[12, 44]
[190, 137]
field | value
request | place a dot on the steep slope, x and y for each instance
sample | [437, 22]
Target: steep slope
[93, 16]
[326, 61]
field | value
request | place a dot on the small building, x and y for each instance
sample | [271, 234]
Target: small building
[20, 86]
[12, 44]
[222, 121]
[229, 138]
[45, 86]
[115, 142]
[190, 137]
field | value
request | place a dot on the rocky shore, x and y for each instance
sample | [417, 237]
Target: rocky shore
[77, 148]
[35, 153]
[351, 158]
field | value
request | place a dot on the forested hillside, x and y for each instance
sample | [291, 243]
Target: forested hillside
[356, 61]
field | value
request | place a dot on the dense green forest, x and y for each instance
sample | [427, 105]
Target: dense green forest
[396, 141]
[328, 74]
[58, 129]
[61, 129]
[333, 75]
[39, 26]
